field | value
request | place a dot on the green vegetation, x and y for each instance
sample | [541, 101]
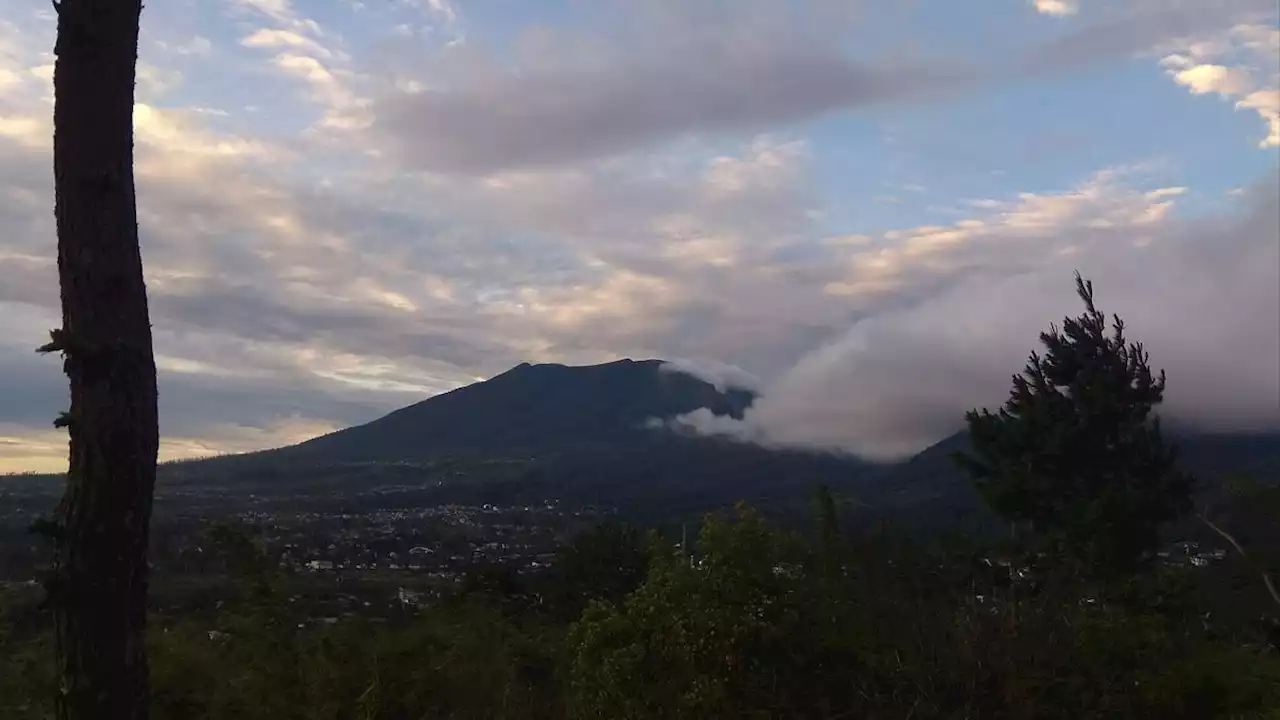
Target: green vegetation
[758, 622]
[765, 626]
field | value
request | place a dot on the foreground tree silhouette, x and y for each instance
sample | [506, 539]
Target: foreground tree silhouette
[99, 586]
[1075, 458]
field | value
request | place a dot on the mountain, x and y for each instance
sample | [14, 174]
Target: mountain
[587, 435]
[538, 432]
[531, 409]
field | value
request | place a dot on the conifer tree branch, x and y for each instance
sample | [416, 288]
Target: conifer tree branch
[1262, 571]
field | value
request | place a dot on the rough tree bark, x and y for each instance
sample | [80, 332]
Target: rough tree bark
[98, 588]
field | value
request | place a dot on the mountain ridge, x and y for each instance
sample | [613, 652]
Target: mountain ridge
[529, 407]
[585, 434]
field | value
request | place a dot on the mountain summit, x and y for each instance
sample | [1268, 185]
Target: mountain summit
[531, 409]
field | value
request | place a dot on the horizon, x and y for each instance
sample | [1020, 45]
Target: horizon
[714, 377]
[868, 215]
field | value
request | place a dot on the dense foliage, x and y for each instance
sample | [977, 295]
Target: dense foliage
[758, 622]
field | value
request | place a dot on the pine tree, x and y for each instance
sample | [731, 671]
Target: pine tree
[1075, 459]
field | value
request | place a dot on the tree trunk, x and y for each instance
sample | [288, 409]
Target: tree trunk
[99, 587]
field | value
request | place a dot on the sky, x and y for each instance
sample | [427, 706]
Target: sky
[866, 211]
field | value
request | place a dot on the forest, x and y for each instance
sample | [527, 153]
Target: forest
[755, 621]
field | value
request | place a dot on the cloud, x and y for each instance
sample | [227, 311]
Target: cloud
[444, 9]
[1057, 8]
[1012, 236]
[561, 101]
[153, 82]
[344, 109]
[722, 376]
[1218, 79]
[638, 76]
[313, 56]
[1252, 78]
[1137, 28]
[685, 254]
[277, 38]
[448, 18]
[553, 117]
[280, 11]
[1202, 294]
[1267, 104]
[197, 45]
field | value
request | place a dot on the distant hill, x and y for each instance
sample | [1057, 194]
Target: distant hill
[1209, 456]
[942, 490]
[585, 435]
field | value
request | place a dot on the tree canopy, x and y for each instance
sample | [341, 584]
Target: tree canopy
[1075, 458]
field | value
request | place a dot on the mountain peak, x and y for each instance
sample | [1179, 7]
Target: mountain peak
[622, 363]
[530, 408]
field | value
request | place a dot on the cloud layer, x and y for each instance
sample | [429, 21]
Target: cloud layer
[1203, 296]
[347, 208]
[564, 100]
[556, 117]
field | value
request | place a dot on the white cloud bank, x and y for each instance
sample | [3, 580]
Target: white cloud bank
[1203, 296]
[722, 376]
